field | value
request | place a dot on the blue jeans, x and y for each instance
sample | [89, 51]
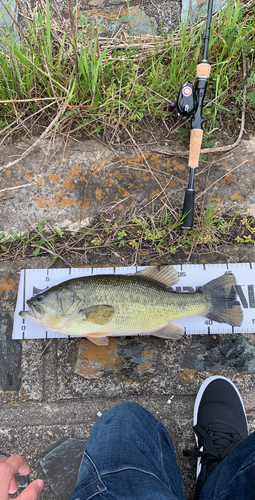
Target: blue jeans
[130, 456]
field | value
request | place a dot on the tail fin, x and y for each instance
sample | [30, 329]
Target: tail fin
[221, 296]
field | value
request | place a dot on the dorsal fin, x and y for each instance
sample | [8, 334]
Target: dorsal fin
[166, 275]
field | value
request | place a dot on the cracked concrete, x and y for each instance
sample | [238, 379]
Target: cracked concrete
[69, 184]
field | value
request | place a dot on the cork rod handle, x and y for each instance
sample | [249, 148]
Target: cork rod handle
[203, 70]
[196, 136]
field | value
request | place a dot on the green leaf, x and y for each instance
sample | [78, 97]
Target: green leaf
[59, 232]
[36, 251]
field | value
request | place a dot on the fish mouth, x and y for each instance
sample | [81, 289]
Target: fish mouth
[35, 310]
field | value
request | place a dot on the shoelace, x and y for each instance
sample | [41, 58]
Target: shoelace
[216, 446]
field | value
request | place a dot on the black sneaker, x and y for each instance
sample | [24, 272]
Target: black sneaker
[219, 424]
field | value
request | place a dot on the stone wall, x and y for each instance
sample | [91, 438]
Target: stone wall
[152, 17]
[139, 17]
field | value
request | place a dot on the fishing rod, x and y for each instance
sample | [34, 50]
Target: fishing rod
[190, 103]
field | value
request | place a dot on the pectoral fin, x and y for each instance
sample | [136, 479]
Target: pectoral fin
[98, 314]
[100, 341]
[170, 331]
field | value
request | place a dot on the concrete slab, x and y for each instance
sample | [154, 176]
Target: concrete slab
[199, 7]
[129, 374]
[135, 18]
[67, 184]
[10, 353]
[10, 356]
[55, 185]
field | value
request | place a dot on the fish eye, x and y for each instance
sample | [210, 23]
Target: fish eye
[40, 297]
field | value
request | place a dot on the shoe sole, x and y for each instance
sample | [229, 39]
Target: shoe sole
[197, 403]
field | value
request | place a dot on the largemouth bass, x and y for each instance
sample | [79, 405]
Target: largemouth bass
[102, 306]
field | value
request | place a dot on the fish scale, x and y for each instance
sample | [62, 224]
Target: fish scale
[139, 305]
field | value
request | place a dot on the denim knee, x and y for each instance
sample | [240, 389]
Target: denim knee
[126, 426]
[127, 407]
[122, 413]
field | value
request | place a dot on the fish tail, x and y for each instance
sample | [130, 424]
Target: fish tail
[221, 300]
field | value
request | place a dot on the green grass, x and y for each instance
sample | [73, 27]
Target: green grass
[127, 235]
[121, 86]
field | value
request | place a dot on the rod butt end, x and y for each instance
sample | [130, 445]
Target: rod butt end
[188, 209]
